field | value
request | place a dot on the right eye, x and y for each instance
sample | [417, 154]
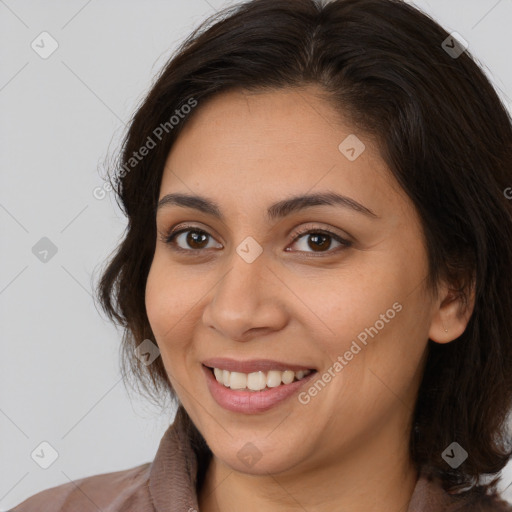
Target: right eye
[192, 236]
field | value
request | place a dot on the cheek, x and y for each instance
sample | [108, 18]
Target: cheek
[163, 309]
[375, 317]
[173, 305]
[158, 303]
[346, 302]
[168, 299]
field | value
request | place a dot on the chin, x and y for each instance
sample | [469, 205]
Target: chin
[258, 456]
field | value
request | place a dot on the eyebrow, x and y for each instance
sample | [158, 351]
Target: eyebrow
[275, 211]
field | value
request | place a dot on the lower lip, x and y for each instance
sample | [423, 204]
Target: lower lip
[251, 402]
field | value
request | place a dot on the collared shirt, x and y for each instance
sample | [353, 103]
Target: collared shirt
[171, 481]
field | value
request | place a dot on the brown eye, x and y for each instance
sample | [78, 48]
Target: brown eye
[188, 239]
[320, 241]
[196, 239]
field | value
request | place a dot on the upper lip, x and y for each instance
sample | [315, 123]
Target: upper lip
[252, 365]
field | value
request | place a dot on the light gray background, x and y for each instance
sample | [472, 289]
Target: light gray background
[61, 116]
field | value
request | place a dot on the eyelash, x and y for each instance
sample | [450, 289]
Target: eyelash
[169, 239]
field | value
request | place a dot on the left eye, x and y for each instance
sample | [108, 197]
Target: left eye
[319, 240]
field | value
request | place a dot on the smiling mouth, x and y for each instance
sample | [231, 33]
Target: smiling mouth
[257, 381]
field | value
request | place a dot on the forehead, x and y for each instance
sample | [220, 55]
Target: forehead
[244, 145]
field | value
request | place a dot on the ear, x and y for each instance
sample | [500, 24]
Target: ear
[451, 314]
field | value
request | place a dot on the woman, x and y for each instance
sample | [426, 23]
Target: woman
[317, 267]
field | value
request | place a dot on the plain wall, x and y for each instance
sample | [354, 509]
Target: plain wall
[61, 116]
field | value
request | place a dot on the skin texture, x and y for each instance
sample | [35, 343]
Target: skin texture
[347, 449]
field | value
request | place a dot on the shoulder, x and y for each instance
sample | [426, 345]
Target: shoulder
[110, 492]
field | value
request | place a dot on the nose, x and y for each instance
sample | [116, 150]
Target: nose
[247, 302]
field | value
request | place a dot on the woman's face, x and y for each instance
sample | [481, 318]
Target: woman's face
[246, 287]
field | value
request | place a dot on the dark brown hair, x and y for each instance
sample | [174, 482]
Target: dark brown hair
[444, 134]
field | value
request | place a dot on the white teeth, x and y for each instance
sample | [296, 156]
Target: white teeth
[274, 378]
[288, 377]
[218, 374]
[256, 381]
[237, 380]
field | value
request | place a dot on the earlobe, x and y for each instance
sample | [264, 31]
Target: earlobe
[451, 317]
